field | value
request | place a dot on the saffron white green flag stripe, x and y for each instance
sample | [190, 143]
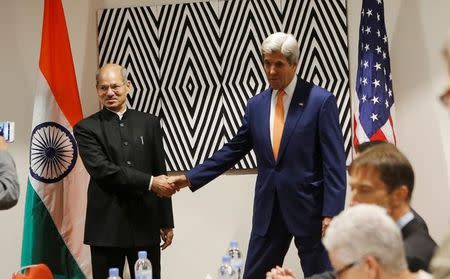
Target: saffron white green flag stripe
[57, 184]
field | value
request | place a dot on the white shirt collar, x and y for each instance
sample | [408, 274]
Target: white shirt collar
[289, 90]
[405, 219]
[120, 113]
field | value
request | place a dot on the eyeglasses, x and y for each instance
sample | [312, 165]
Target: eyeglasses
[114, 87]
[338, 273]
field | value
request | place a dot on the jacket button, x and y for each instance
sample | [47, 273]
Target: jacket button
[121, 125]
[125, 143]
[129, 163]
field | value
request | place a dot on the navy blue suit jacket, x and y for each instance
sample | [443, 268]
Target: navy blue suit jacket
[309, 177]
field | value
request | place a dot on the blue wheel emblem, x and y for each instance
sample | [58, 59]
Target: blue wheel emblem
[53, 152]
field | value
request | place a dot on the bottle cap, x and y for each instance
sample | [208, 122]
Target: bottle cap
[234, 244]
[226, 259]
[142, 254]
[113, 272]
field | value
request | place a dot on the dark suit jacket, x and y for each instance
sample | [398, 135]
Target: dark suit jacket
[309, 177]
[121, 156]
[420, 220]
[419, 246]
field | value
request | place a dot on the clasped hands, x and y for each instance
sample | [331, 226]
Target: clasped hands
[166, 186]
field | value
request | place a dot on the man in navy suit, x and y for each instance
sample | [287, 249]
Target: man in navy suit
[293, 128]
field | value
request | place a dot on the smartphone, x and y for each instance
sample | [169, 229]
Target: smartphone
[7, 130]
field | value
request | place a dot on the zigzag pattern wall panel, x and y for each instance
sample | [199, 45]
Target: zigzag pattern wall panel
[191, 95]
[130, 37]
[195, 65]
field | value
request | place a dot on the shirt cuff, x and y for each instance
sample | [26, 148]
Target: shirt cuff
[150, 185]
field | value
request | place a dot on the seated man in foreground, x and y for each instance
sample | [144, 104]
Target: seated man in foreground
[363, 242]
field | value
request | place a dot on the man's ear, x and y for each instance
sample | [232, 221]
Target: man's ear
[400, 195]
[372, 267]
[129, 86]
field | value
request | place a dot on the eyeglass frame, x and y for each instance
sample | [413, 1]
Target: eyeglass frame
[338, 273]
[114, 87]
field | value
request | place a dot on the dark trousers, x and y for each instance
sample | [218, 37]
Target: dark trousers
[103, 258]
[268, 251]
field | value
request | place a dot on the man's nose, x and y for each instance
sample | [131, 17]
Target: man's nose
[272, 70]
[110, 92]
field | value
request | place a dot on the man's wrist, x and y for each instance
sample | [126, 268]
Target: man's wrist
[188, 182]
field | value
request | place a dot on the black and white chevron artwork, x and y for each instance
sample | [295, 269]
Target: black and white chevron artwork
[195, 65]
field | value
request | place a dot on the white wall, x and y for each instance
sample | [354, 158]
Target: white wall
[20, 33]
[417, 32]
[208, 219]
[423, 126]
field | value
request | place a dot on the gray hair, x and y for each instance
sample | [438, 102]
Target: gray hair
[123, 71]
[284, 43]
[366, 230]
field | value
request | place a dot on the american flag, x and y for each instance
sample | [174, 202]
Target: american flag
[373, 118]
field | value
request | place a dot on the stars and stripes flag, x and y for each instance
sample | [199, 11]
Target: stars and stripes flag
[56, 196]
[373, 118]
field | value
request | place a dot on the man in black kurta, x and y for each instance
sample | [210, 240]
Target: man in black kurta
[128, 208]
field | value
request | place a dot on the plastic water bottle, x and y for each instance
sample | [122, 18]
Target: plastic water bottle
[236, 258]
[226, 271]
[113, 273]
[143, 266]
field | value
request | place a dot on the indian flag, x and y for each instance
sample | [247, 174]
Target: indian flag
[57, 184]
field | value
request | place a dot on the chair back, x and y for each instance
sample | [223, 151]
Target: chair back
[35, 271]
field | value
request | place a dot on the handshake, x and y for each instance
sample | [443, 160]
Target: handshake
[166, 186]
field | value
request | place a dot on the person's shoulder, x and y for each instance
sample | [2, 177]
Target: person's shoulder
[89, 120]
[419, 219]
[143, 115]
[261, 95]
[417, 239]
[317, 91]
[315, 95]
[415, 227]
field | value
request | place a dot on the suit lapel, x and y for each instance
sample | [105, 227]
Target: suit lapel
[266, 102]
[410, 228]
[296, 108]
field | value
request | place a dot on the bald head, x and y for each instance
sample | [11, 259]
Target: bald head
[111, 67]
[113, 87]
